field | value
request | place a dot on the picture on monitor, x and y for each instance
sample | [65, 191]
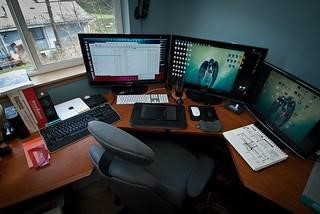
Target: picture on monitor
[212, 67]
[289, 107]
[219, 68]
[125, 59]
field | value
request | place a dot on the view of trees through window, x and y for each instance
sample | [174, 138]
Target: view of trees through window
[54, 26]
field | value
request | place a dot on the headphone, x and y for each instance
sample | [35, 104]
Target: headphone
[142, 9]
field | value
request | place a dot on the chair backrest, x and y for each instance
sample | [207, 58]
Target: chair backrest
[121, 159]
[121, 143]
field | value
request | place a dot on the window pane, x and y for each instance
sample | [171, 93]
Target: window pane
[13, 54]
[55, 24]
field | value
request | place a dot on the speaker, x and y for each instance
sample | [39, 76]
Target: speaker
[16, 122]
[2, 121]
[47, 106]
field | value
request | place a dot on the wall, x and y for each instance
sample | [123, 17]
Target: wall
[157, 21]
[289, 29]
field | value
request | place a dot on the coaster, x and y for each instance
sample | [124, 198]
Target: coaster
[210, 126]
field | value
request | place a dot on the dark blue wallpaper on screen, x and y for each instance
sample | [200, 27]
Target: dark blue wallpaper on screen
[293, 109]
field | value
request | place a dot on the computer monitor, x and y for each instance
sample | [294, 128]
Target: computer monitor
[288, 108]
[121, 60]
[220, 68]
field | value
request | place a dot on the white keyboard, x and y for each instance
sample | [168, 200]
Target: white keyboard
[142, 98]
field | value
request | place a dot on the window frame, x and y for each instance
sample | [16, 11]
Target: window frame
[29, 44]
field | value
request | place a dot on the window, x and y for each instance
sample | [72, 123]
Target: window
[43, 34]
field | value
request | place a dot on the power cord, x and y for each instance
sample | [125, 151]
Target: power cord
[157, 89]
[113, 98]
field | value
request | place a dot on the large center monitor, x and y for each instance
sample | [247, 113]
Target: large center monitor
[219, 68]
[125, 60]
[288, 108]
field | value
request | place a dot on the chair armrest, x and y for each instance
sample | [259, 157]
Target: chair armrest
[95, 153]
[199, 176]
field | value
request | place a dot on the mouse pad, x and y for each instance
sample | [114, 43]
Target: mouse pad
[207, 113]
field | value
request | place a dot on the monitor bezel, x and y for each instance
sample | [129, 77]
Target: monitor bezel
[285, 140]
[219, 44]
[92, 82]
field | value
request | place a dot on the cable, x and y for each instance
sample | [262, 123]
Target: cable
[114, 98]
[177, 100]
[141, 25]
[156, 89]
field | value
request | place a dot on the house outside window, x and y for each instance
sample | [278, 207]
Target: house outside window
[43, 34]
[39, 38]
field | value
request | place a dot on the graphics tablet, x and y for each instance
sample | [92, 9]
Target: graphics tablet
[158, 116]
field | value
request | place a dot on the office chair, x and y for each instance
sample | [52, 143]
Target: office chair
[153, 178]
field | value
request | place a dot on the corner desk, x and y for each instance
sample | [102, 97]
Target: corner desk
[282, 183]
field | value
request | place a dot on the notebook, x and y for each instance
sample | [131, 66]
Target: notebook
[255, 147]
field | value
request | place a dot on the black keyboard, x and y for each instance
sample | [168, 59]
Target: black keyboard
[72, 129]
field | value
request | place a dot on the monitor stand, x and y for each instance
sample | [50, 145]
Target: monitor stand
[130, 89]
[204, 97]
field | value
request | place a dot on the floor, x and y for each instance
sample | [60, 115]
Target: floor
[223, 194]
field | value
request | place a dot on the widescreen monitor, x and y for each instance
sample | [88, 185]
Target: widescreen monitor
[220, 68]
[288, 108]
[125, 60]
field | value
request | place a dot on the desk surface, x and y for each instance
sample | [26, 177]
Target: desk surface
[282, 183]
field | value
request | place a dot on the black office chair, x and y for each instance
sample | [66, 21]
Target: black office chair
[148, 179]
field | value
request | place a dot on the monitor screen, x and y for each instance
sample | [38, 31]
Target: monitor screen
[222, 68]
[119, 59]
[289, 108]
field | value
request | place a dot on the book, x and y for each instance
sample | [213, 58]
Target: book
[255, 147]
[35, 107]
[23, 110]
[14, 80]
[36, 153]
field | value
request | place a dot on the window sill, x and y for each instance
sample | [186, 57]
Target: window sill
[59, 77]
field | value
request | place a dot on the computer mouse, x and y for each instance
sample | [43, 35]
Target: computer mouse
[195, 111]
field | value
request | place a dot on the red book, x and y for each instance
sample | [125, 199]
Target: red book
[35, 106]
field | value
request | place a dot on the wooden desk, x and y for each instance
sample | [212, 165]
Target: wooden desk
[18, 182]
[282, 183]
